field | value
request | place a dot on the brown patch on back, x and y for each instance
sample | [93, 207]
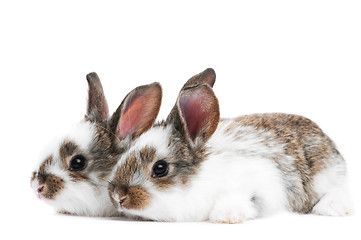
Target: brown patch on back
[303, 140]
[297, 133]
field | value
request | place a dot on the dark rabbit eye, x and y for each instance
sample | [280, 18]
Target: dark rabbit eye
[160, 169]
[77, 163]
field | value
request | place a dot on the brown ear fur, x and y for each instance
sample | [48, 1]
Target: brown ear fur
[137, 112]
[97, 109]
[208, 77]
[197, 113]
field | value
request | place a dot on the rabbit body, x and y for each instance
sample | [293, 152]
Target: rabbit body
[229, 170]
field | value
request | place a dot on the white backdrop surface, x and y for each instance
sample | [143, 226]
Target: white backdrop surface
[299, 57]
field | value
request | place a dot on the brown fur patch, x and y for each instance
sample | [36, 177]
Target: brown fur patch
[147, 155]
[33, 176]
[136, 197]
[147, 158]
[51, 184]
[104, 152]
[45, 163]
[67, 150]
[208, 76]
[126, 171]
[299, 135]
[305, 142]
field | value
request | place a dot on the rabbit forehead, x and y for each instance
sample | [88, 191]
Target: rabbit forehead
[156, 137]
[81, 134]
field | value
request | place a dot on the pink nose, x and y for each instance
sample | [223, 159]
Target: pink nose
[40, 189]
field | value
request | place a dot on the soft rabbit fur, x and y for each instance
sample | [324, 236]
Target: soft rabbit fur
[196, 167]
[73, 174]
[99, 140]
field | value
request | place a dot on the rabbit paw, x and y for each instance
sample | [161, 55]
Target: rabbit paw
[334, 203]
[232, 214]
[333, 207]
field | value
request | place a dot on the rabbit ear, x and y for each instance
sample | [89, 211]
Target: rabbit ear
[97, 109]
[198, 113]
[208, 77]
[137, 112]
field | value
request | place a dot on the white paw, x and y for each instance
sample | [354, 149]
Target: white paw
[332, 208]
[334, 205]
[219, 216]
[232, 214]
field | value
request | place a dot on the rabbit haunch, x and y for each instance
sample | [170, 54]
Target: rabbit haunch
[229, 170]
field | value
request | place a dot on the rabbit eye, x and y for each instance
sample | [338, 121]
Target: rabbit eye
[77, 163]
[160, 169]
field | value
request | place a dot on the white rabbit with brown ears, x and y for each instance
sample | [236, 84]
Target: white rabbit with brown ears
[196, 167]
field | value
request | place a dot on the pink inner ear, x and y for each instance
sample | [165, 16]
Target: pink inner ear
[194, 113]
[133, 117]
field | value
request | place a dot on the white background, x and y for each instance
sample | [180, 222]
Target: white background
[299, 57]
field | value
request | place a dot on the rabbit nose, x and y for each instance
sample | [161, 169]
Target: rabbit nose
[122, 199]
[40, 189]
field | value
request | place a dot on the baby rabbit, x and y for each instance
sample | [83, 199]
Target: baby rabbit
[196, 167]
[72, 176]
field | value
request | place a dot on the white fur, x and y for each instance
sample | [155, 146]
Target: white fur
[331, 186]
[223, 189]
[88, 198]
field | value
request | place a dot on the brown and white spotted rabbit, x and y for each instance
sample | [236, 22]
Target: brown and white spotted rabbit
[196, 167]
